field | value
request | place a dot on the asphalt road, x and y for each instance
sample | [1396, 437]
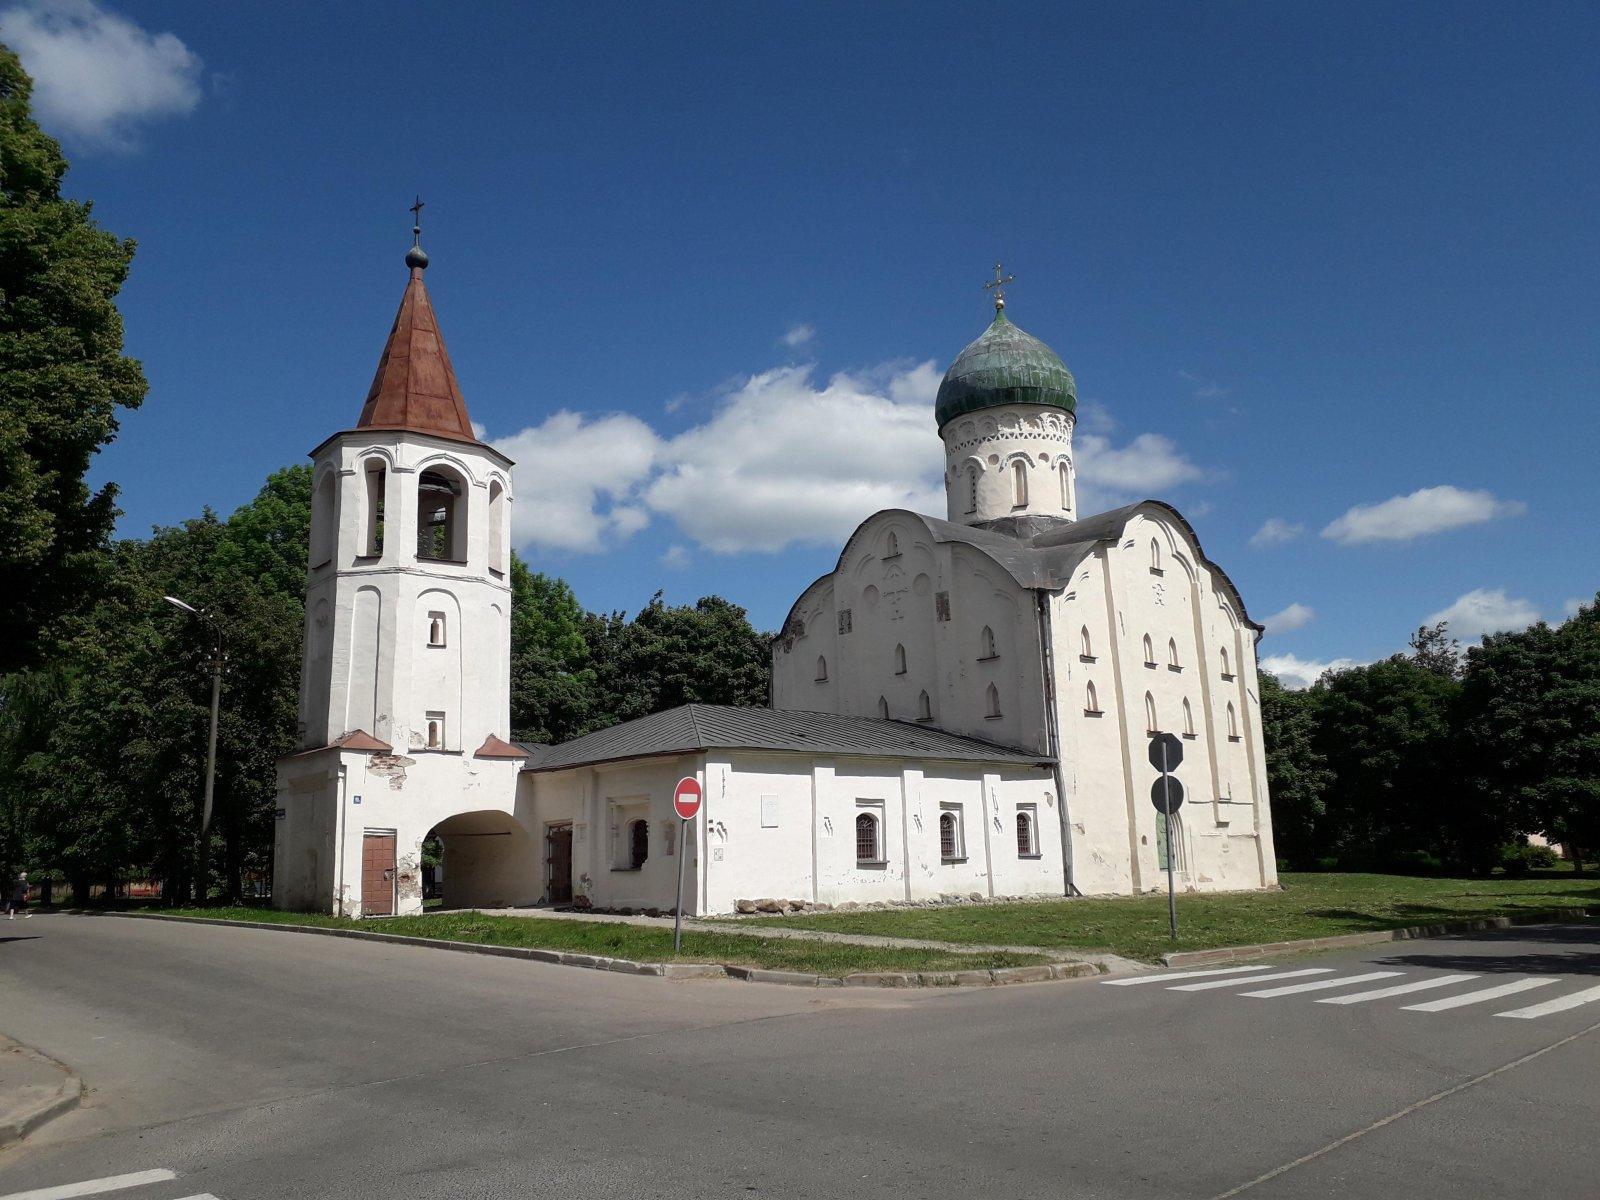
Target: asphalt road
[253, 1064]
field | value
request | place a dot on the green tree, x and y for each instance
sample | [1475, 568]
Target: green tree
[552, 683]
[62, 378]
[705, 653]
[1297, 774]
[1433, 649]
[1530, 727]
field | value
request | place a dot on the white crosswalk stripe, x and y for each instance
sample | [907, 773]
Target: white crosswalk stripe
[1222, 983]
[1399, 989]
[1559, 1004]
[1165, 975]
[1295, 989]
[1478, 997]
[95, 1187]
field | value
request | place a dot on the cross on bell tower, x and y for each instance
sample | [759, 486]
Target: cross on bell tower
[997, 284]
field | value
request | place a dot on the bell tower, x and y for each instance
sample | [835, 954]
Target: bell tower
[408, 598]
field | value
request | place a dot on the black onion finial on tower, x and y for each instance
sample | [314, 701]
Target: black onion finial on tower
[416, 257]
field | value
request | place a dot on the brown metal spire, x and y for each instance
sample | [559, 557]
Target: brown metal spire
[415, 388]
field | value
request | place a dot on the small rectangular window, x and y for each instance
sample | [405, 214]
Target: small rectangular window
[1027, 831]
[952, 841]
[436, 629]
[869, 835]
[435, 731]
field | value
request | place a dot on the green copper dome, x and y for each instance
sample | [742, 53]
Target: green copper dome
[1004, 366]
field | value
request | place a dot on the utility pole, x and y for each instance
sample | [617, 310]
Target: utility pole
[218, 658]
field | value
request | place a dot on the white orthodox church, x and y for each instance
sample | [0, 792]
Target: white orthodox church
[962, 706]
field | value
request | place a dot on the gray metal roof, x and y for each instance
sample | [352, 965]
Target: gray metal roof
[694, 727]
[1037, 555]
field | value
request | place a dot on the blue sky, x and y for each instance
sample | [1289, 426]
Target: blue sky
[1326, 266]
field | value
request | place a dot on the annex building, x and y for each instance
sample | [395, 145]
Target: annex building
[961, 706]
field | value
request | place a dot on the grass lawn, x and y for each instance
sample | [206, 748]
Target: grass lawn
[638, 942]
[1310, 905]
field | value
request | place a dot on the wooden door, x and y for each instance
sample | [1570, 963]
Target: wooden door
[377, 875]
[559, 842]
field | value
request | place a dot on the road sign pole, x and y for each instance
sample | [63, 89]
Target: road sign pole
[677, 908]
[1172, 890]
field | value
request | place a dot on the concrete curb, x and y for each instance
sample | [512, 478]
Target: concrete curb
[1201, 958]
[624, 966]
[14, 1126]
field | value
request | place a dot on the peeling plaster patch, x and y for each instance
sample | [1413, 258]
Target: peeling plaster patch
[392, 765]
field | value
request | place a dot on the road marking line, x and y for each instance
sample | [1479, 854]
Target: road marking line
[200, 1196]
[1404, 1112]
[1168, 975]
[95, 1187]
[1222, 983]
[1321, 984]
[1586, 996]
[1494, 993]
[1399, 989]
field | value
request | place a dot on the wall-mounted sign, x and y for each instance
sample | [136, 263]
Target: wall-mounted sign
[355, 799]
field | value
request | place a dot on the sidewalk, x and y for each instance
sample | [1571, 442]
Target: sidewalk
[757, 928]
[33, 1088]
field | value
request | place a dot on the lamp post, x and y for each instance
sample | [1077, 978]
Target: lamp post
[211, 740]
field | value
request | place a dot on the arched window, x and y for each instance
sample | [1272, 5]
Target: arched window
[1085, 643]
[822, 669]
[1155, 556]
[436, 731]
[883, 708]
[1150, 724]
[441, 516]
[497, 528]
[991, 697]
[1233, 723]
[972, 488]
[1172, 653]
[1227, 671]
[892, 547]
[1188, 719]
[1019, 484]
[638, 843]
[1091, 701]
[324, 524]
[986, 648]
[1063, 470]
[924, 707]
[1027, 834]
[1149, 651]
[949, 836]
[377, 491]
[899, 659]
[869, 846]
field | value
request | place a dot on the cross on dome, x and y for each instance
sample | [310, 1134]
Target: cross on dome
[996, 285]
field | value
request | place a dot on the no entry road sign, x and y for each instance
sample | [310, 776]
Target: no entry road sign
[1166, 793]
[686, 797]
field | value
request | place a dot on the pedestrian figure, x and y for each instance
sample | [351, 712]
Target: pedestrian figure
[18, 898]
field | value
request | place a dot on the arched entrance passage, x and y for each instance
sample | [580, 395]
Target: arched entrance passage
[486, 860]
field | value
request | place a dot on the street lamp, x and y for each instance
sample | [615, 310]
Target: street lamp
[211, 741]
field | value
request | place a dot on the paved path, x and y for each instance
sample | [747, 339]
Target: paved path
[246, 1065]
[756, 928]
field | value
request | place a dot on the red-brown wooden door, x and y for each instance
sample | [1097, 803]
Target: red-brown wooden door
[559, 842]
[377, 875]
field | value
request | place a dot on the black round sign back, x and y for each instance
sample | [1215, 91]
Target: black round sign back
[1161, 789]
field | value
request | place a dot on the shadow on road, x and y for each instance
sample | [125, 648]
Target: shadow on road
[1539, 958]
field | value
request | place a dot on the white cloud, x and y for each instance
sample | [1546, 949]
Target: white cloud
[1429, 510]
[1205, 389]
[1569, 608]
[1147, 466]
[577, 480]
[1296, 616]
[1275, 531]
[798, 335]
[1299, 673]
[97, 75]
[784, 460]
[1484, 611]
[676, 557]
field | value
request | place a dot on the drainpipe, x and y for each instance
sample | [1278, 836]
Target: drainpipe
[1053, 733]
[338, 833]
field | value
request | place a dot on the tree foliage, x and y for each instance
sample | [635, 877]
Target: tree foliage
[63, 377]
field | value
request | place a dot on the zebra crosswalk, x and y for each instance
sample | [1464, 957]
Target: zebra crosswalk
[1245, 982]
[142, 1180]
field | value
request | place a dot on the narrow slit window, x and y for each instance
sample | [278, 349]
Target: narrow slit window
[899, 659]
[1066, 485]
[435, 731]
[1150, 724]
[1027, 834]
[972, 489]
[986, 647]
[436, 629]
[1188, 719]
[949, 836]
[1155, 556]
[1091, 701]
[1227, 671]
[893, 548]
[1019, 484]
[1233, 723]
[1085, 643]
[1172, 654]
[1149, 651]
[924, 707]
[377, 485]
[991, 700]
[883, 708]
[822, 669]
